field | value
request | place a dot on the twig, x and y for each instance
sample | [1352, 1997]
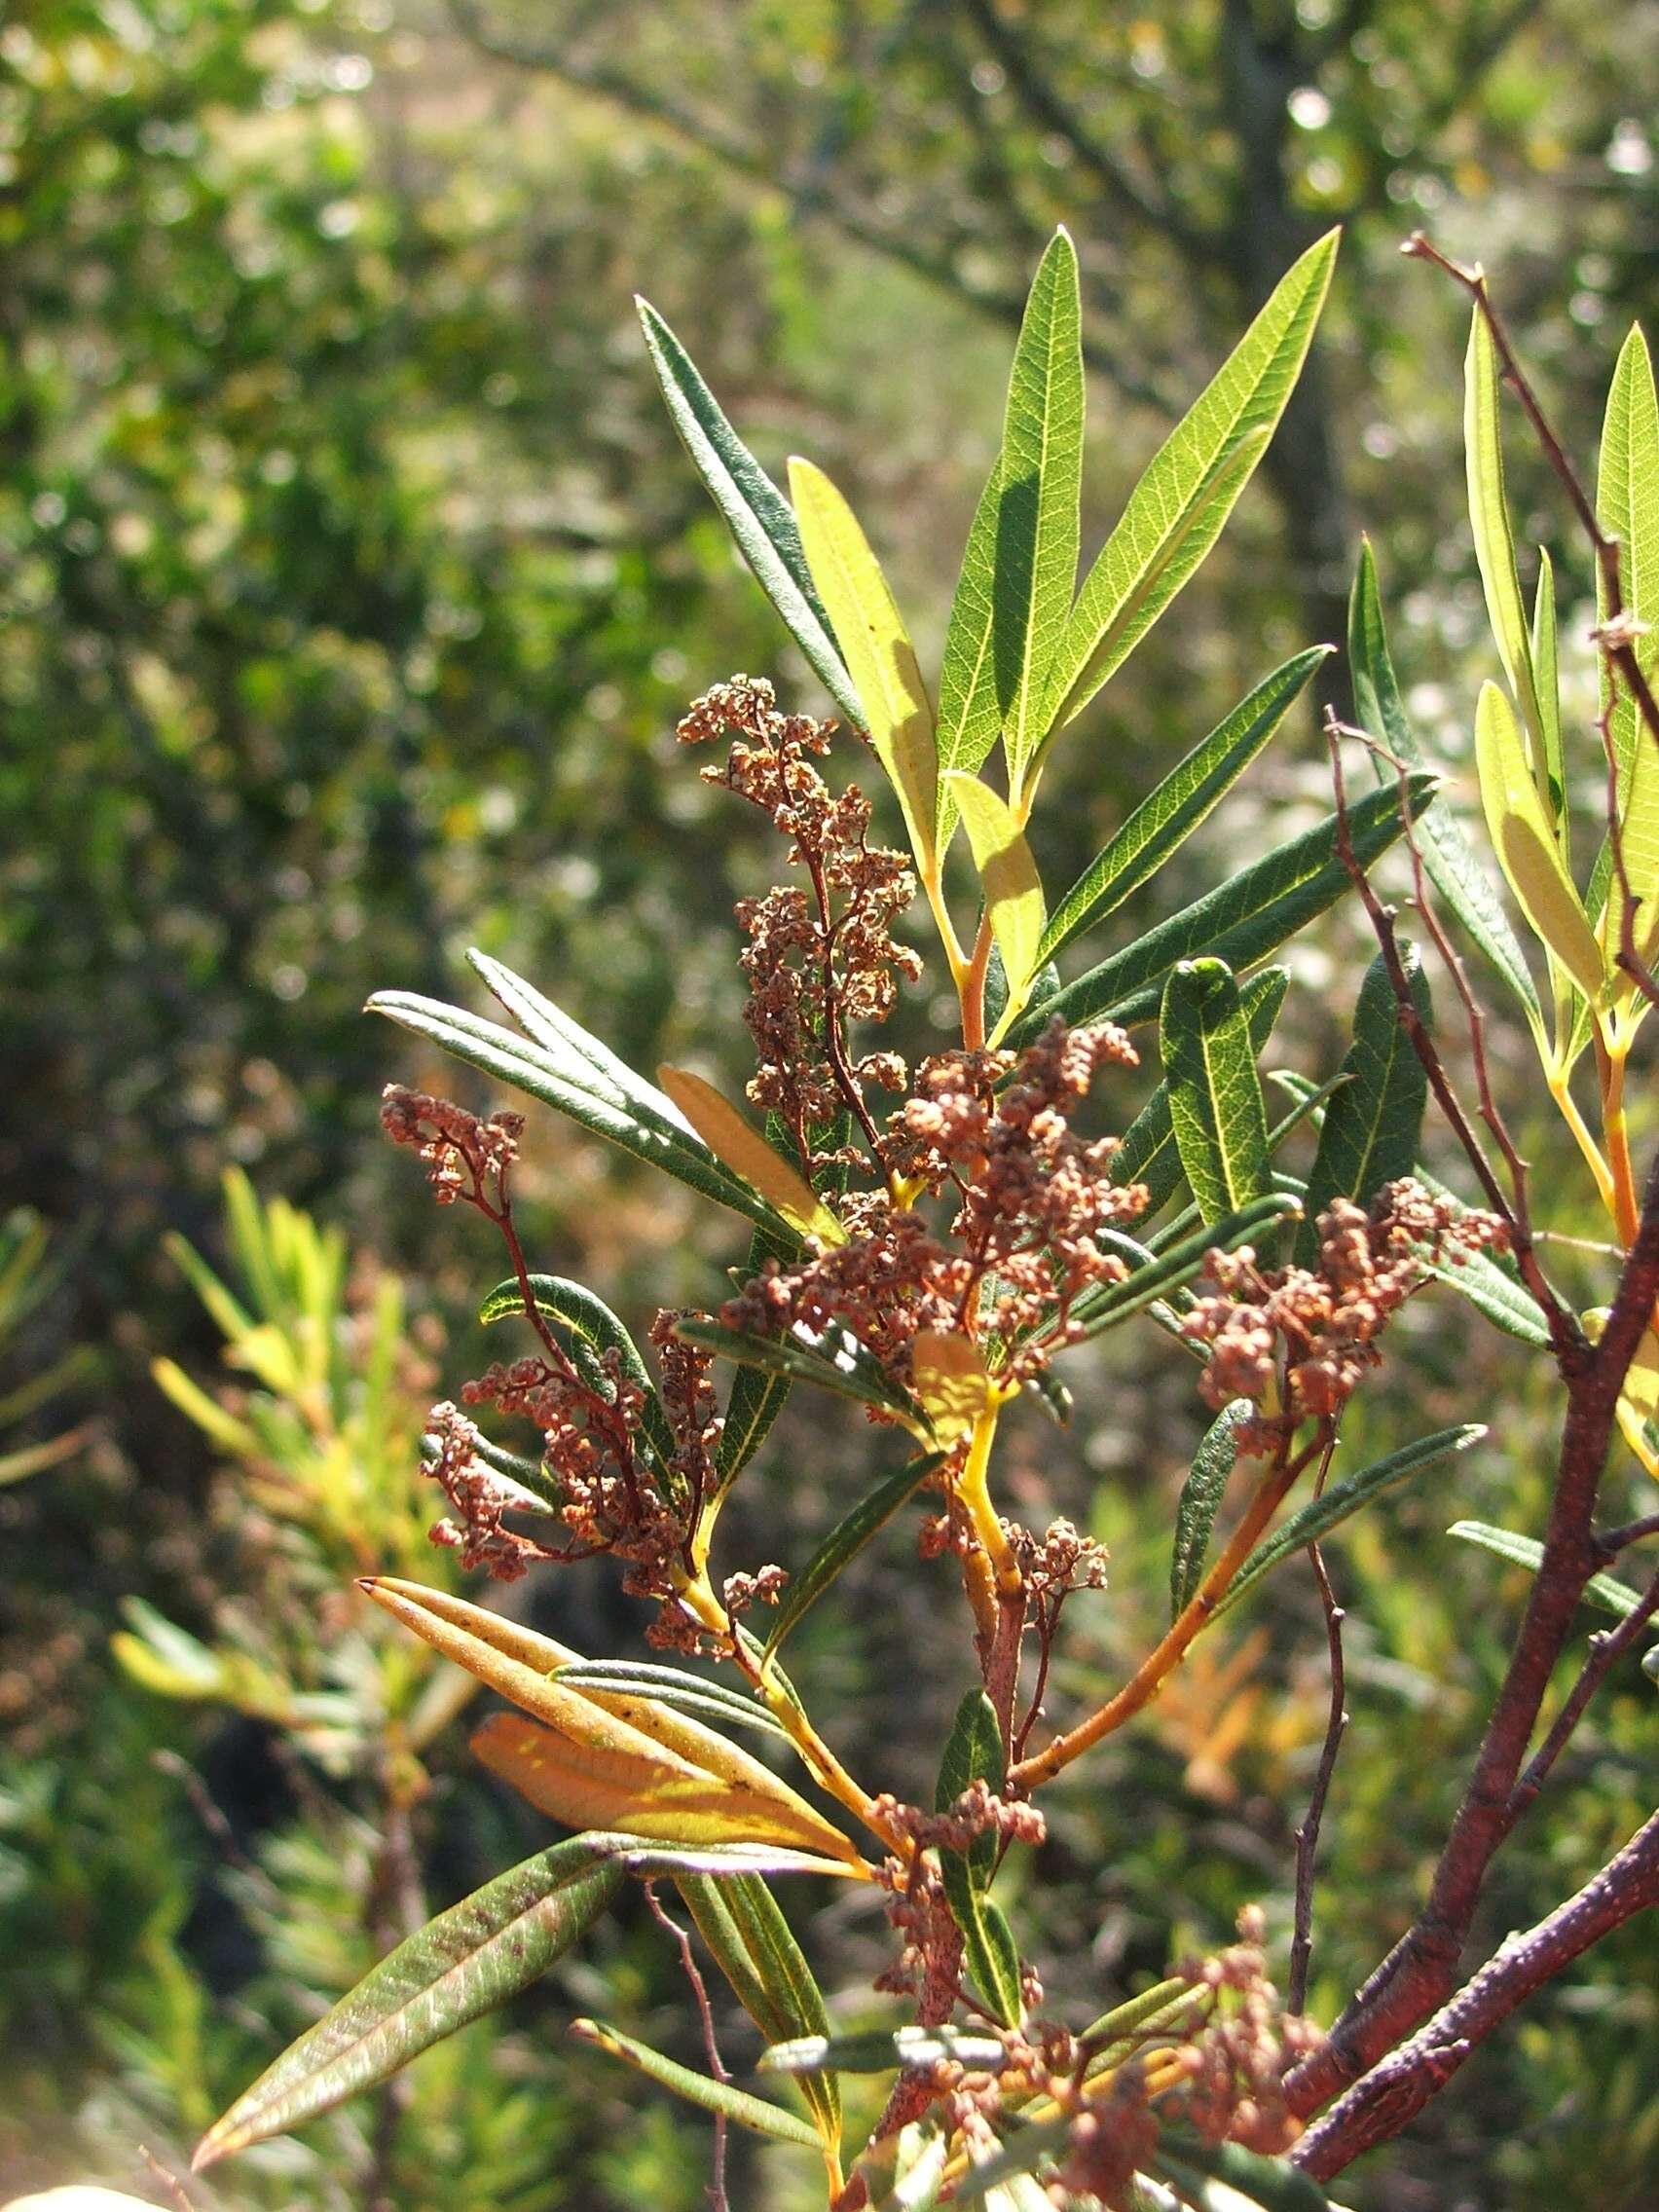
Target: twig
[1606, 1650]
[1614, 1541]
[1396, 2092]
[718, 2199]
[1335, 1726]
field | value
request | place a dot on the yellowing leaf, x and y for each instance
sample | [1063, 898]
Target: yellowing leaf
[1626, 501]
[875, 645]
[1014, 895]
[947, 1373]
[607, 1758]
[1524, 843]
[741, 1146]
[1639, 1402]
[1495, 555]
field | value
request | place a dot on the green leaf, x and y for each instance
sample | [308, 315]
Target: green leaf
[879, 655]
[1114, 1302]
[1216, 1105]
[587, 1328]
[1153, 2009]
[1014, 892]
[1546, 679]
[465, 1962]
[673, 1686]
[843, 1544]
[581, 1083]
[969, 710]
[1494, 554]
[1448, 859]
[1272, 2185]
[756, 513]
[1320, 1515]
[735, 2105]
[1149, 1152]
[1040, 483]
[1373, 1125]
[1241, 921]
[1523, 838]
[1176, 511]
[988, 1948]
[973, 1753]
[751, 1942]
[1200, 1500]
[879, 2051]
[755, 1398]
[1606, 1590]
[833, 1360]
[1185, 798]
[1492, 1290]
[1627, 505]
[721, 1861]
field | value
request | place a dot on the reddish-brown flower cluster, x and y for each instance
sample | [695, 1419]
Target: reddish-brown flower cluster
[1031, 1197]
[1235, 2063]
[463, 1153]
[820, 955]
[1298, 1340]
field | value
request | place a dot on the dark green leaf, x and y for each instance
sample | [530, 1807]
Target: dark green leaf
[1201, 1499]
[1373, 1125]
[1448, 856]
[1506, 1303]
[699, 2088]
[756, 513]
[1323, 1514]
[1604, 1590]
[671, 1686]
[1274, 2184]
[973, 1753]
[843, 1544]
[1149, 1152]
[1241, 921]
[1166, 1272]
[987, 1943]
[1184, 798]
[465, 1962]
[834, 1361]
[755, 1398]
[1216, 1106]
[587, 1329]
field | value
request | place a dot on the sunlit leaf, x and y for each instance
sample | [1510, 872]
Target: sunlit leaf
[1184, 799]
[756, 513]
[1340, 1500]
[1200, 1501]
[1013, 891]
[879, 2051]
[1494, 554]
[1176, 511]
[876, 646]
[673, 1686]
[1448, 859]
[1149, 1153]
[735, 2105]
[843, 1544]
[1373, 1124]
[465, 1962]
[948, 1372]
[1241, 921]
[1627, 504]
[1523, 839]
[833, 1360]
[1216, 1106]
[741, 1148]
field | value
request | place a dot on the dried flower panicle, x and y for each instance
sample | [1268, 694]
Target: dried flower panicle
[821, 955]
[1298, 1340]
[1234, 2065]
[464, 1155]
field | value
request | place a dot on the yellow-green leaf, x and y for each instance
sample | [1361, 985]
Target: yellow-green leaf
[948, 1372]
[875, 645]
[1014, 895]
[1494, 554]
[1626, 503]
[737, 1143]
[1522, 838]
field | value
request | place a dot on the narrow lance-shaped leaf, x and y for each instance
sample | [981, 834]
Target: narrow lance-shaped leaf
[588, 1329]
[465, 1962]
[673, 1686]
[1215, 1094]
[1546, 680]
[879, 2051]
[1185, 798]
[736, 2105]
[745, 1150]
[1040, 491]
[1200, 1500]
[1113, 1303]
[973, 1753]
[1606, 1590]
[1373, 1124]
[834, 1361]
[1149, 1153]
[1176, 511]
[1495, 555]
[877, 648]
[843, 1544]
[1627, 504]
[1342, 1500]
[1014, 892]
[970, 711]
[1448, 859]
[759, 518]
[1268, 2185]
[1241, 922]
[1523, 838]
[755, 1397]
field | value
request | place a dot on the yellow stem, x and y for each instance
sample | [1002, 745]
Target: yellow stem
[933, 884]
[972, 1491]
[971, 989]
[1615, 1133]
[1168, 1653]
[1567, 1106]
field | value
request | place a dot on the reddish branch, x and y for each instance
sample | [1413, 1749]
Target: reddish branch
[1396, 2092]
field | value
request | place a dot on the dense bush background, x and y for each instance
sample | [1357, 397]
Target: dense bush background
[352, 581]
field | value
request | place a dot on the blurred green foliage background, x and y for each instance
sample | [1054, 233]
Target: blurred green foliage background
[350, 582]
